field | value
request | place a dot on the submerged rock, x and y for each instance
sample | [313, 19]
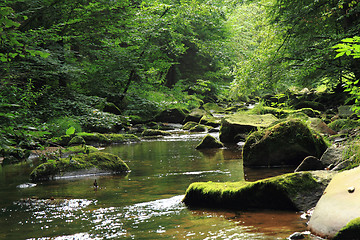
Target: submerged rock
[94, 162]
[338, 205]
[209, 142]
[243, 123]
[298, 191]
[286, 143]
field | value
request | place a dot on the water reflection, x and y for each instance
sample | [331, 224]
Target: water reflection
[145, 204]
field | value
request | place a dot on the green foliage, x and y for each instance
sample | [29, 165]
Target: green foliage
[64, 125]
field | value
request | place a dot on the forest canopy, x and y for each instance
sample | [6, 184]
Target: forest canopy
[68, 61]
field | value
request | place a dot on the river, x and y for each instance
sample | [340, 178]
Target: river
[145, 204]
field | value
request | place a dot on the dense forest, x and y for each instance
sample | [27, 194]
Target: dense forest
[100, 65]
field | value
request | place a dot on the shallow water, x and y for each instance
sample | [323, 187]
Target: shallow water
[145, 204]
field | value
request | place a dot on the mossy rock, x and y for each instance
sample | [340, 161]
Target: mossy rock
[96, 161]
[210, 121]
[77, 140]
[154, 132]
[83, 149]
[286, 143]
[189, 125]
[198, 128]
[195, 115]
[62, 141]
[209, 142]
[121, 138]
[242, 122]
[173, 115]
[293, 191]
[213, 108]
[350, 231]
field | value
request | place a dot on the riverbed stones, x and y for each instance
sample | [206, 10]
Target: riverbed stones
[154, 132]
[238, 123]
[286, 143]
[296, 191]
[195, 115]
[337, 206]
[209, 142]
[333, 155]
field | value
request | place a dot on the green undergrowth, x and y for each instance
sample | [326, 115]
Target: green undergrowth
[99, 160]
[278, 192]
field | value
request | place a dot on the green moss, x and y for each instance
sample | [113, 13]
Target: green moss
[99, 160]
[281, 192]
[85, 149]
[77, 140]
[154, 132]
[210, 121]
[198, 128]
[350, 231]
[120, 138]
[213, 107]
[62, 141]
[189, 125]
[288, 142]
[243, 123]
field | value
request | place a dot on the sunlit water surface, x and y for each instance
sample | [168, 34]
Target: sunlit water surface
[145, 204]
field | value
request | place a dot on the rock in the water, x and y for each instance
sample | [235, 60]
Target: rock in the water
[286, 143]
[298, 191]
[337, 205]
[154, 132]
[310, 163]
[243, 123]
[189, 125]
[173, 115]
[96, 162]
[209, 142]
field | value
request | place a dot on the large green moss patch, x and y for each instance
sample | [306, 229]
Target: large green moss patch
[101, 161]
[289, 191]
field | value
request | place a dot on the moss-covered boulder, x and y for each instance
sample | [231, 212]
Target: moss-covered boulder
[297, 191]
[174, 115]
[213, 108]
[338, 205]
[350, 231]
[198, 128]
[209, 142]
[77, 140]
[189, 125]
[154, 132]
[238, 123]
[210, 120]
[195, 115]
[286, 143]
[96, 162]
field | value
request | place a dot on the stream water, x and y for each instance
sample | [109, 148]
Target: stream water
[145, 204]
